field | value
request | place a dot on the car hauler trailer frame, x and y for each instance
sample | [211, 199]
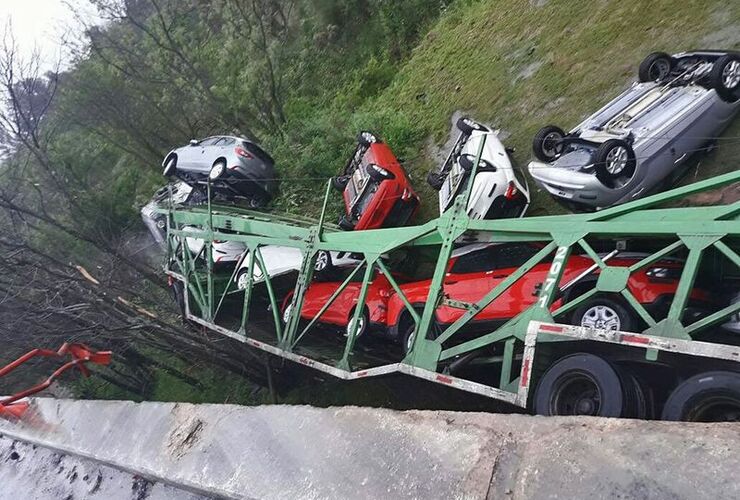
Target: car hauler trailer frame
[523, 348]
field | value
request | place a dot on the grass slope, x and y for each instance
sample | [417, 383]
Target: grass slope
[519, 66]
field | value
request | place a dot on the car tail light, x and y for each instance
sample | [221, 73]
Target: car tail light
[243, 153]
[511, 191]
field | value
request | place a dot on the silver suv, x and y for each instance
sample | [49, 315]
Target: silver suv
[233, 165]
[637, 143]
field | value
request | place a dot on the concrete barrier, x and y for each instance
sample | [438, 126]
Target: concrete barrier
[302, 452]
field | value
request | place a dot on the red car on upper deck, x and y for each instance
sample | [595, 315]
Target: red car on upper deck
[377, 192]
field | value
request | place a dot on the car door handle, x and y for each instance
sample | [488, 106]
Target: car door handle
[499, 276]
[450, 282]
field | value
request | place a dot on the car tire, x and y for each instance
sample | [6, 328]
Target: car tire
[257, 202]
[546, 144]
[468, 126]
[323, 262]
[365, 138]
[241, 278]
[285, 315]
[614, 159]
[605, 313]
[581, 384]
[345, 224]
[378, 173]
[218, 170]
[364, 319]
[170, 167]
[339, 182]
[706, 397]
[435, 180]
[408, 338]
[725, 77]
[656, 67]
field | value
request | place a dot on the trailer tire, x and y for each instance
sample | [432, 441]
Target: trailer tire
[706, 397]
[581, 384]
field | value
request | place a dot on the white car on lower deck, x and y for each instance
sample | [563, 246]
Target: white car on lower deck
[279, 260]
[499, 189]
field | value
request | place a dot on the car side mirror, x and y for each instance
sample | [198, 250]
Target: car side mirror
[193, 142]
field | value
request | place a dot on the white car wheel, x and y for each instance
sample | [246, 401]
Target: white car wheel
[286, 313]
[322, 261]
[217, 171]
[242, 280]
[601, 317]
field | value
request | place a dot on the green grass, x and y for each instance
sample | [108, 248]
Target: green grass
[584, 55]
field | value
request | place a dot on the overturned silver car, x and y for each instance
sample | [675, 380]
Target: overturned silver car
[636, 144]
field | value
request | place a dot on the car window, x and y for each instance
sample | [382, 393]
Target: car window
[475, 262]
[514, 255]
[494, 257]
[209, 141]
[226, 141]
[258, 152]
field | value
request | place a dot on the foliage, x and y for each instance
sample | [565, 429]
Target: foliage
[303, 77]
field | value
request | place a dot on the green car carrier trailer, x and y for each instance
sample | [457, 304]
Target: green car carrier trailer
[689, 368]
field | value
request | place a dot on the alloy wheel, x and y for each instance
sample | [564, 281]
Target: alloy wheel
[360, 326]
[731, 75]
[550, 144]
[286, 313]
[242, 281]
[322, 260]
[601, 317]
[616, 160]
[217, 171]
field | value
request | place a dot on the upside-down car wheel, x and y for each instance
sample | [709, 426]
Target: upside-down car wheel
[547, 144]
[656, 67]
